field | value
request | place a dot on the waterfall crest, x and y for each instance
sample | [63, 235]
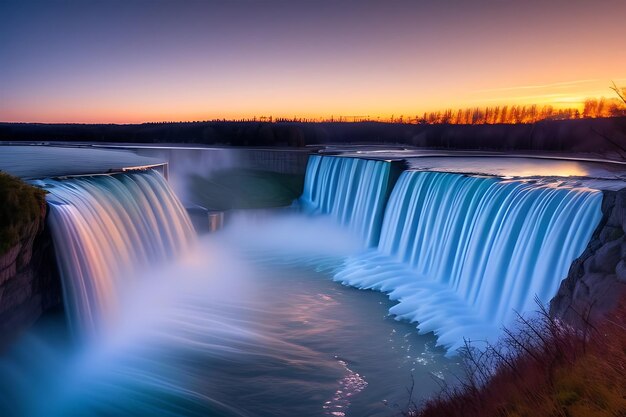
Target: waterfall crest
[496, 243]
[351, 190]
[461, 254]
[104, 228]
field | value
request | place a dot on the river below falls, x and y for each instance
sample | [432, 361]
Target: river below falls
[221, 334]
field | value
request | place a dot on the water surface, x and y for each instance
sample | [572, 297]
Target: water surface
[224, 333]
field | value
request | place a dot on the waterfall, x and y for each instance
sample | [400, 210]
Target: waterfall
[461, 254]
[106, 227]
[351, 190]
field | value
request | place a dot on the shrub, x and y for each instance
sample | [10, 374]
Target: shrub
[20, 205]
[542, 368]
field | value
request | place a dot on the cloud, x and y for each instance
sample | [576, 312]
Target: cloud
[540, 86]
[511, 99]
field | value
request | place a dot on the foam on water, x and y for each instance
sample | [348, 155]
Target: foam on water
[176, 326]
[212, 334]
[462, 254]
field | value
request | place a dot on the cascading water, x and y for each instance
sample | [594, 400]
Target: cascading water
[462, 254]
[209, 333]
[105, 227]
[219, 333]
[351, 190]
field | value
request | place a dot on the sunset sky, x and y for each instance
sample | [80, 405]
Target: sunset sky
[137, 61]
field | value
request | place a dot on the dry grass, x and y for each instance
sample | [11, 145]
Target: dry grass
[20, 205]
[541, 369]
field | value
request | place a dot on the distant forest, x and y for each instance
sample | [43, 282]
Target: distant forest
[600, 129]
[593, 108]
[523, 114]
[604, 136]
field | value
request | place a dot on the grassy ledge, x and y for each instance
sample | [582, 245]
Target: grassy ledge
[20, 206]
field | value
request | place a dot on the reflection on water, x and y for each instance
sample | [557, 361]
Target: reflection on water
[352, 383]
[220, 333]
[518, 167]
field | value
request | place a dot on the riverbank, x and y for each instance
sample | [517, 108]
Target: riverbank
[543, 369]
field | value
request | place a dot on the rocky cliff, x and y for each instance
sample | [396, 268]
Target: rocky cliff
[597, 279]
[29, 282]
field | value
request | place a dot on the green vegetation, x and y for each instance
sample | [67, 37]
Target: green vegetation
[20, 205]
[542, 369]
[246, 189]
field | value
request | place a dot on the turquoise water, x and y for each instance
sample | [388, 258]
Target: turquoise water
[163, 324]
[104, 228]
[352, 191]
[220, 333]
[462, 254]
[249, 321]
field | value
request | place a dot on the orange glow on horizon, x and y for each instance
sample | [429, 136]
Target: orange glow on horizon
[310, 60]
[102, 114]
[311, 105]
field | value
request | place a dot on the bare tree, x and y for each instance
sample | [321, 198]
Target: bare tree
[620, 93]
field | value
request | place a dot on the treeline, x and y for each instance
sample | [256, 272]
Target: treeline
[523, 114]
[605, 135]
[593, 108]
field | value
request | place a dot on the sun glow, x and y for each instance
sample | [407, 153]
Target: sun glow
[232, 62]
